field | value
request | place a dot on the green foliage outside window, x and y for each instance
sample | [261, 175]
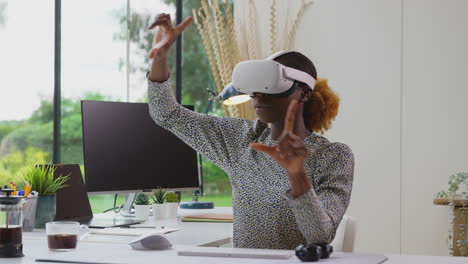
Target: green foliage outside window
[28, 142]
[16, 161]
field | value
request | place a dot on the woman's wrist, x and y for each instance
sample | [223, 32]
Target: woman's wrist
[159, 68]
[161, 55]
[299, 182]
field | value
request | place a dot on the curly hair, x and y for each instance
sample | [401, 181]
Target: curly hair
[322, 107]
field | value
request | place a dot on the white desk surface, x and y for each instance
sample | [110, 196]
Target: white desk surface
[114, 249]
[191, 233]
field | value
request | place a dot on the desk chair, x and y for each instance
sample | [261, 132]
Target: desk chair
[345, 236]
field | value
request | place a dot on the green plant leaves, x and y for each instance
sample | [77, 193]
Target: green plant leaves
[142, 199]
[171, 197]
[159, 196]
[42, 180]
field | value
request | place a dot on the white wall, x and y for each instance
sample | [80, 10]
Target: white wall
[379, 55]
[435, 115]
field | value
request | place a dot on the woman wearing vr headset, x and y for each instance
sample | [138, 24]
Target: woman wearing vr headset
[290, 185]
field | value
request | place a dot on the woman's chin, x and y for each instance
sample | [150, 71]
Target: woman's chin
[266, 115]
[265, 119]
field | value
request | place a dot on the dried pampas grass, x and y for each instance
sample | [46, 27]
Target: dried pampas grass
[225, 46]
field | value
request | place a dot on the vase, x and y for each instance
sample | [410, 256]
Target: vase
[159, 211]
[45, 210]
[172, 209]
[29, 213]
[142, 212]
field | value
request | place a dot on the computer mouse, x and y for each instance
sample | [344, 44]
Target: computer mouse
[151, 241]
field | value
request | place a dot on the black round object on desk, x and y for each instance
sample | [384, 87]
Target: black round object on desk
[314, 252]
[309, 253]
[326, 250]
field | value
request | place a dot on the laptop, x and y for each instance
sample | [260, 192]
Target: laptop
[73, 203]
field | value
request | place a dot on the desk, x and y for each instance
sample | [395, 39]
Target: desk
[192, 233]
[114, 249]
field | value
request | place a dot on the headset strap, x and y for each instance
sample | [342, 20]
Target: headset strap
[292, 73]
[299, 76]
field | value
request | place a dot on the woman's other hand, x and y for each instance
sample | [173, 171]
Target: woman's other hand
[165, 35]
[290, 152]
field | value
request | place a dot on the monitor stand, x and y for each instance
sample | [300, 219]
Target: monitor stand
[126, 220]
[127, 209]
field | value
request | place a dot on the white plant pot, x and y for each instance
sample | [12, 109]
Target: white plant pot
[159, 211]
[142, 211]
[172, 210]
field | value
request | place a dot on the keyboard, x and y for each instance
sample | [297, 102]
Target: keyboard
[131, 231]
[238, 253]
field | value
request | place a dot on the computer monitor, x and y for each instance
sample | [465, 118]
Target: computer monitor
[126, 151]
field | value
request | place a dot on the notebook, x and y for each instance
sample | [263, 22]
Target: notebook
[205, 220]
[220, 218]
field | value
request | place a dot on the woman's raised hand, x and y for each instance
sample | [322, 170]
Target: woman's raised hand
[165, 34]
[290, 152]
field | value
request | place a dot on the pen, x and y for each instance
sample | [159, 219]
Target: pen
[27, 190]
[130, 227]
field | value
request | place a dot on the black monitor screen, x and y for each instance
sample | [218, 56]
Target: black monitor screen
[125, 150]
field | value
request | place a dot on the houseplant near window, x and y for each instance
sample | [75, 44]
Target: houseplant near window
[142, 206]
[173, 202]
[42, 180]
[159, 207]
[457, 198]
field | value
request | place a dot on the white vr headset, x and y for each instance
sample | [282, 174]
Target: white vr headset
[268, 77]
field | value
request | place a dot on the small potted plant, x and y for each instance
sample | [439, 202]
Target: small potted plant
[455, 182]
[172, 200]
[159, 207]
[142, 206]
[457, 199]
[42, 180]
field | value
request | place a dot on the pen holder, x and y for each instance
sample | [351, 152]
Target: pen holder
[45, 210]
[29, 213]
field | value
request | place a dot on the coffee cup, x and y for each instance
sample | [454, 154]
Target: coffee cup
[64, 236]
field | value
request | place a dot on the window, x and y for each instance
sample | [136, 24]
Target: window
[94, 65]
[196, 79]
[101, 59]
[27, 85]
[92, 68]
